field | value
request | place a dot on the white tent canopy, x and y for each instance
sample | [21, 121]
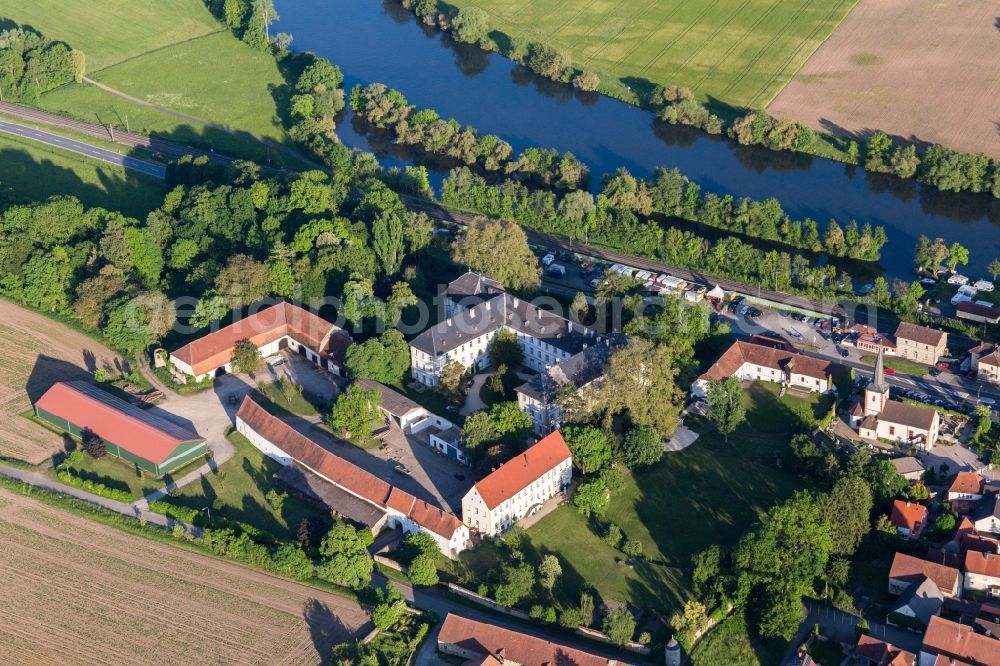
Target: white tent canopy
[716, 293]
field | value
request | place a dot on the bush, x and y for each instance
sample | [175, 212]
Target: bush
[632, 548]
[422, 571]
[613, 537]
[96, 488]
[182, 513]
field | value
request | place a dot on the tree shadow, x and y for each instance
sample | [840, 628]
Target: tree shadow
[48, 370]
[325, 629]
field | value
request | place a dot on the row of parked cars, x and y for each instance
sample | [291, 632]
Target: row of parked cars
[922, 397]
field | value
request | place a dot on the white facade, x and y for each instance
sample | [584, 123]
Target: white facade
[896, 432]
[269, 349]
[456, 544]
[990, 524]
[266, 447]
[751, 372]
[492, 521]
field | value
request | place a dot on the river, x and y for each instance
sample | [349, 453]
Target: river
[376, 41]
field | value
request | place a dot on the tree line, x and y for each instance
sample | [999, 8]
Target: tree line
[31, 64]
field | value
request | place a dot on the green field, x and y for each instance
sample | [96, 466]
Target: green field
[711, 492]
[30, 171]
[738, 52]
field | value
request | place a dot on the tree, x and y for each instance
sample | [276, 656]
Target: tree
[994, 268]
[549, 572]
[243, 281]
[725, 404]
[692, 620]
[471, 25]
[93, 443]
[419, 543]
[478, 432]
[499, 248]
[519, 580]
[592, 498]
[209, 308]
[385, 359]
[345, 556]
[586, 80]
[512, 425]
[641, 379]
[613, 537]
[389, 607]
[643, 447]
[505, 350]
[422, 571]
[356, 411]
[290, 560]
[847, 508]
[451, 382]
[387, 241]
[945, 522]
[957, 254]
[127, 327]
[619, 626]
[922, 252]
[246, 357]
[591, 448]
[93, 295]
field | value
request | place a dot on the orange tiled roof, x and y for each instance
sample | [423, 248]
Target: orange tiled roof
[265, 326]
[967, 483]
[912, 569]
[741, 352]
[519, 472]
[908, 515]
[882, 653]
[984, 564]
[959, 641]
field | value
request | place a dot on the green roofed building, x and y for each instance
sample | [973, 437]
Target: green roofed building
[152, 442]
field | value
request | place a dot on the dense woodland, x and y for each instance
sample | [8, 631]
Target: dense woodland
[31, 64]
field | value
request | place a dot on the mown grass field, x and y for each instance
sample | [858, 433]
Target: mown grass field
[30, 171]
[708, 493]
[737, 52]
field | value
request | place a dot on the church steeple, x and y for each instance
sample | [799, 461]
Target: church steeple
[877, 393]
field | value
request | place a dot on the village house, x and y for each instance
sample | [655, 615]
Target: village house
[545, 337]
[271, 329]
[871, 651]
[399, 509]
[916, 605]
[982, 573]
[874, 343]
[883, 418]
[977, 312]
[484, 644]
[907, 570]
[519, 487]
[986, 517]
[965, 492]
[985, 362]
[948, 643]
[138, 436]
[909, 518]
[920, 344]
[537, 396]
[751, 361]
[908, 467]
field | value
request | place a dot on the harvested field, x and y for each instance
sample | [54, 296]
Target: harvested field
[37, 352]
[80, 592]
[921, 71]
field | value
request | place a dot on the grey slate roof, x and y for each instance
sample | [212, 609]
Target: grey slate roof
[923, 598]
[504, 310]
[472, 284]
[907, 465]
[393, 402]
[579, 369]
[988, 506]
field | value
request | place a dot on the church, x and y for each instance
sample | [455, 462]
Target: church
[876, 417]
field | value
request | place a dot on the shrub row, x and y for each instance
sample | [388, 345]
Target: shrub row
[97, 488]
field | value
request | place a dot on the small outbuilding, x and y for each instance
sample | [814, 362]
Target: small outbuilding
[143, 438]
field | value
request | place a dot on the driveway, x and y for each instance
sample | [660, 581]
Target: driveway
[473, 403]
[839, 626]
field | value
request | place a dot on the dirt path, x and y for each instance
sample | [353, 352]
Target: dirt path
[82, 592]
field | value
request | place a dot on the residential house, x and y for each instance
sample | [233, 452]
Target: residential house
[920, 344]
[545, 337]
[485, 644]
[435, 431]
[916, 606]
[519, 486]
[909, 518]
[915, 425]
[967, 537]
[982, 573]
[907, 570]
[750, 361]
[469, 290]
[986, 517]
[583, 370]
[977, 312]
[286, 445]
[965, 492]
[908, 467]
[948, 643]
[271, 329]
[871, 651]
[874, 343]
[985, 362]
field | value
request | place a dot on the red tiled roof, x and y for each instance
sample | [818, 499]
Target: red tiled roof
[135, 430]
[742, 351]
[921, 334]
[216, 349]
[912, 569]
[882, 653]
[490, 639]
[343, 473]
[958, 641]
[519, 472]
[909, 515]
[984, 564]
[968, 483]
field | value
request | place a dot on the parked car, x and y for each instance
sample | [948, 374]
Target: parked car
[987, 401]
[594, 283]
[890, 371]
[548, 259]
[844, 353]
[556, 270]
[935, 372]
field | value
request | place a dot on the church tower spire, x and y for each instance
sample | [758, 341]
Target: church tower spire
[877, 393]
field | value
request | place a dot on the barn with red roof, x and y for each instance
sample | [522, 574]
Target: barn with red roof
[519, 487]
[139, 436]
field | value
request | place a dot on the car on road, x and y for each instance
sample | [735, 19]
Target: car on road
[843, 352]
[548, 259]
[987, 401]
[935, 372]
[451, 409]
[890, 371]
[401, 469]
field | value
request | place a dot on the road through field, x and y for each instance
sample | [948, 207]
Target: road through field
[85, 149]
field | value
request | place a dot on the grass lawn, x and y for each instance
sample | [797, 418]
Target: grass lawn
[899, 365]
[117, 473]
[240, 485]
[30, 171]
[285, 397]
[110, 31]
[709, 493]
[737, 52]
[215, 78]
[731, 643]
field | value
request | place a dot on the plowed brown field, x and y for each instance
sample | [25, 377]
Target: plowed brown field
[926, 71]
[36, 353]
[80, 592]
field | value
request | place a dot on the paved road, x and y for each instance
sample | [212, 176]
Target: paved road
[93, 152]
[839, 626]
